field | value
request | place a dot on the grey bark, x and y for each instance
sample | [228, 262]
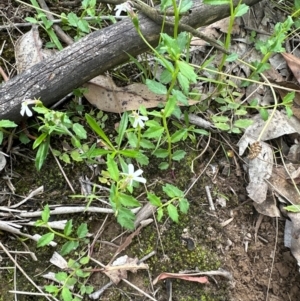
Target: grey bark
[96, 53]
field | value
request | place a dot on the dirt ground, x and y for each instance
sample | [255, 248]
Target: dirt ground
[262, 270]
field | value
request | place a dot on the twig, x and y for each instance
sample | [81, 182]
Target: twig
[209, 198]
[62, 171]
[219, 272]
[97, 294]
[23, 272]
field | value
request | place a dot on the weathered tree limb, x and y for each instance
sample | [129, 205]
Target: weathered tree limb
[96, 53]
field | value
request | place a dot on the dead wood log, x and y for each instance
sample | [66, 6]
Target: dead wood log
[96, 53]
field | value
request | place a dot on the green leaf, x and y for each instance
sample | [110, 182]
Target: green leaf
[66, 294]
[153, 132]
[93, 124]
[154, 200]
[79, 131]
[161, 153]
[42, 153]
[1, 137]
[165, 77]
[240, 10]
[51, 289]
[184, 205]
[69, 247]
[144, 143]
[76, 156]
[122, 128]
[126, 218]
[173, 213]
[82, 274]
[264, 114]
[66, 158]
[61, 276]
[163, 165]
[112, 168]
[180, 97]
[232, 57]
[31, 20]
[82, 230]
[170, 107]
[72, 19]
[160, 214]
[179, 135]
[293, 208]
[45, 214]
[83, 25]
[184, 83]
[287, 99]
[220, 118]
[178, 155]
[128, 200]
[289, 112]
[68, 227]
[172, 191]
[39, 140]
[243, 123]
[185, 6]
[222, 126]
[7, 124]
[187, 71]
[45, 239]
[84, 260]
[156, 87]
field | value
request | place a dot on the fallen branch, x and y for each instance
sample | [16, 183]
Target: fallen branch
[96, 53]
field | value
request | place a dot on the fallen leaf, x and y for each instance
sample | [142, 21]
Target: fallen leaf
[202, 279]
[118, 269]
[294, 64]
[105, 95]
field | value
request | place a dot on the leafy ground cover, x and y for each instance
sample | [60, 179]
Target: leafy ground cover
[207, 224]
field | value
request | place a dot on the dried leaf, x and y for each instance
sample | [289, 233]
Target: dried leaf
[118, 270]
[187, 277]
[28, 50]
[106, 96]
[294, 64]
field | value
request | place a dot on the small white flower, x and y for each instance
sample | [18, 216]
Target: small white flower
[138, 119]
[126, 7]
[134, 175]
[25, 109]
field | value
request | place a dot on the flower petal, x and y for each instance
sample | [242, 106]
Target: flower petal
[137, 173]
[140, 179]
[130, 169]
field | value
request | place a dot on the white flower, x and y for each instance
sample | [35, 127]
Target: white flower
[134, 175]
[138, 119]
[25, 109]
[126, 7]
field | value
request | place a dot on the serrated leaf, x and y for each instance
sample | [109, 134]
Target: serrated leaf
[128, 200]
[184, 205]
[156, 87]
[51, 289]
[61, 276]
[82, 230]
[172, 191]
[153, 132]
[173, 212]
[243, 123]
[66, 294]
[187, 71]
[84, 260]
[68, 227]
[45, 214]
[7, 124]
[160, 214]
[161, 153]
[178, 155]
[45, 239]
[154, 200]
[163, 165]
[79, 131]
[69, 247]
[112, 168]
[222, 126]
